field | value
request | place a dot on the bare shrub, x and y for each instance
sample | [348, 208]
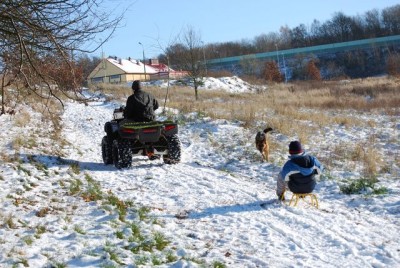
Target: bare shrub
[368, 157]
[312, 71]
[272, 73]
[370, 162]
[22, 119]
[393, 65]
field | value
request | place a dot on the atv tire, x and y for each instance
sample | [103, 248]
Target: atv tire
[174, 150]
[122, 154]
[106, 150]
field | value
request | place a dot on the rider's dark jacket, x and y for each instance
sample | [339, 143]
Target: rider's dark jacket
[140, 107]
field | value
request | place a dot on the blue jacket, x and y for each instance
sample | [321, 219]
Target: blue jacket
[300, 171]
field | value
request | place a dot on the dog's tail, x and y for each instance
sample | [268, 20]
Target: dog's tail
[268, 129]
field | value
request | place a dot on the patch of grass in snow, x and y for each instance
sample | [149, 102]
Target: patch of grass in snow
[22, 261]
[171, 257]
[143, 213]
[75, 168]
[193, 259]
[326, 176]
[59, 265]
[363, 185]
[26, 187]
[39, 230]
[26, 171]
[136, 233]
[119, 234]
[21, 141]
[8, 221]
[155, 260]
[113, 255]
[120, 205]
[142, 240]
[43, 212]
[141, 260]
[22, 119]
[93, 191]
[28, 240]
[75, 186]
[161, 241]
[23, 223]
[39, 166]
[218, 264]
[79, 229]
[9, 158]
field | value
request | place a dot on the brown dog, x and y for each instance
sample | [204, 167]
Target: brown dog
[262, 144]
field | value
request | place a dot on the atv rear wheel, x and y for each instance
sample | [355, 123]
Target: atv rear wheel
[174, 150]
[106, 150]
[122, 154]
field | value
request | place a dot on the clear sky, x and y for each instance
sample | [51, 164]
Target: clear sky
[156, 23]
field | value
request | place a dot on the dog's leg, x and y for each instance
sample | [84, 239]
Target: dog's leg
[265, 152]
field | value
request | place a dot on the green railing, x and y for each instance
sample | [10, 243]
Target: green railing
[321, 49]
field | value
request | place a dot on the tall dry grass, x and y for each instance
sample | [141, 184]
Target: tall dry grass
[292, 109]
[298, 110]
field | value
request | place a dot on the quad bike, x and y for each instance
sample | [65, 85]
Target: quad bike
[126, 138]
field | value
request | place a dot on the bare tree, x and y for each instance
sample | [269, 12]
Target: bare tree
[165, 57]
[188, 56]
[391, 20]
[39, 37]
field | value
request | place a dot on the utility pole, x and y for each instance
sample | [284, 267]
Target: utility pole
[284, 67]
[103, 59]
[144, 62]
[277, 55]
[204, 59]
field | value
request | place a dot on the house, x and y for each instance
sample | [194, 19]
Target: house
[116, 71]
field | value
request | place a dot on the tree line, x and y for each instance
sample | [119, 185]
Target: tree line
[340, 28]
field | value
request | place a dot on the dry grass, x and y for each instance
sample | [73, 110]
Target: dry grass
[22, 119]
[297, 110]
[294, 109]
[50, 110]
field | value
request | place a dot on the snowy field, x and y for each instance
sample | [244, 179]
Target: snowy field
[207, 206]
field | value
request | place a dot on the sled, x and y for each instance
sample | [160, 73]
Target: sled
[296, 197]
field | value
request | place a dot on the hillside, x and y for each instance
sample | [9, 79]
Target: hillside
[62, 207]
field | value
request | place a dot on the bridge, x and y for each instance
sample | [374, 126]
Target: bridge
[232, 63]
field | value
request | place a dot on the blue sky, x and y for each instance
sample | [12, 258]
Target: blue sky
[155, 23]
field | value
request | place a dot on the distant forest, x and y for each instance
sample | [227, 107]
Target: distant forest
[340, 28]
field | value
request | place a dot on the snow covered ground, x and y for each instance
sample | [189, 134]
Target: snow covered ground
[230, 84]
[207, 206]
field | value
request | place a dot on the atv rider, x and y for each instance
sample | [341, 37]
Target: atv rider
[141, 105]
[299, 170]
